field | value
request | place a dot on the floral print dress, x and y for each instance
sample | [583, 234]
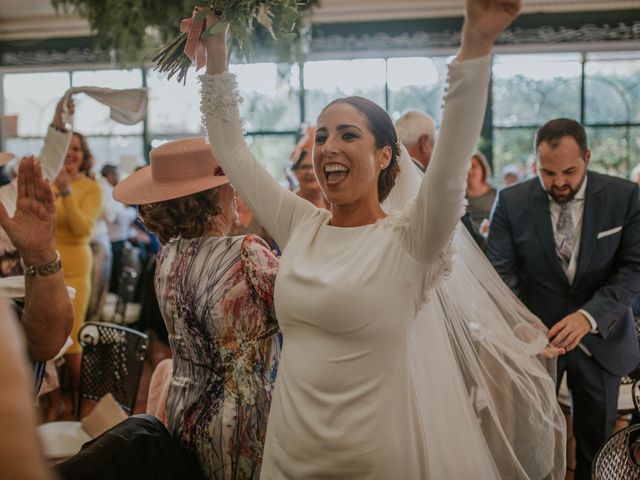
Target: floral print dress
[216, 298]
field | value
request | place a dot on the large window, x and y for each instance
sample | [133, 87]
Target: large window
[327, 80]
[416, 83]
[602, 90]
[529, 90]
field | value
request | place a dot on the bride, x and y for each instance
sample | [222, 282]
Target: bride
[398, 362]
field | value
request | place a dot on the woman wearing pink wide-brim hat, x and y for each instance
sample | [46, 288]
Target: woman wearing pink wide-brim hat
[216, 297]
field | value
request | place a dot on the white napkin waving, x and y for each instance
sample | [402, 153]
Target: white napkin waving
[128, 106]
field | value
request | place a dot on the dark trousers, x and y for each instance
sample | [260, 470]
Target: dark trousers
[116, 264]
[594, 397]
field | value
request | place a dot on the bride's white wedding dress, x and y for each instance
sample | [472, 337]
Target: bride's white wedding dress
[374, 383]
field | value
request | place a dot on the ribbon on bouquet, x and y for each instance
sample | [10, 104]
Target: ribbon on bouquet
[194, 48]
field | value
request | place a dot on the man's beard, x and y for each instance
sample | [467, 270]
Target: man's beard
[570, 196]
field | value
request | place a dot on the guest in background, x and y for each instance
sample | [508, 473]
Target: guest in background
[216, 297]
[119, 232]
[78, 205]
[111, 175]
[480, 193]
[568, 244]
[510, 175]
[417, 132]
[52, 158]
[302, 168]
[101, 246]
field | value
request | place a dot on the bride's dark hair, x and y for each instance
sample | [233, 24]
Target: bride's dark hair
[384, 132]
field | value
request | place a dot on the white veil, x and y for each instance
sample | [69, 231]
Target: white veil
[487, 399]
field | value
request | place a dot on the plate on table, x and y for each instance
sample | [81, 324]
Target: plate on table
[61, 440]
[13, 287]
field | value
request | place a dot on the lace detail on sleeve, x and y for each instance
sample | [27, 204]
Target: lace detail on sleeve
[399, 219]
[441, 267]
[220, 96]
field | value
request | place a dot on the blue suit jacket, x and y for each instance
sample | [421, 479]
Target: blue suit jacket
[522, 249]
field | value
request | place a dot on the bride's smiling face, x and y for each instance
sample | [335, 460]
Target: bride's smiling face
[346, 160]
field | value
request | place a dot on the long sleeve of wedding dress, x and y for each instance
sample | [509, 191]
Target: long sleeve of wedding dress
[439, 203]
[277, 209]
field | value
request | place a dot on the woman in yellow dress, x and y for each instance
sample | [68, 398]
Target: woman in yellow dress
[78, 205]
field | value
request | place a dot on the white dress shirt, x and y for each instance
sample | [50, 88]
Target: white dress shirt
[576, 208]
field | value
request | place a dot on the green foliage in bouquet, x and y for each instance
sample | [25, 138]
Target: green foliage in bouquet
[134, 28]
[276, 23]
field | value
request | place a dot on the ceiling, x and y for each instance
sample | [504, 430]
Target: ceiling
[31, 19]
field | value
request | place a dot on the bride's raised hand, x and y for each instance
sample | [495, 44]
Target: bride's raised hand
[484, 20]
[216, 45]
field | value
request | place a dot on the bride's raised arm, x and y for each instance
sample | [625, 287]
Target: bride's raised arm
[440, 199]
[277, 209]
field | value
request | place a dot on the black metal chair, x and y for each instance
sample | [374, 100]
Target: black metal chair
[127, 284]
[619, 458]
[112, 361]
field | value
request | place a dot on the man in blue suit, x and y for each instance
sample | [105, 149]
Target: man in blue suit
[568, 244]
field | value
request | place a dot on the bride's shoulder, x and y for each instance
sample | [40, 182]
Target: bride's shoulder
[400, 219]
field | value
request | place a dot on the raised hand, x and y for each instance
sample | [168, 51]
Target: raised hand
[63, 181]
[57, 116]
[484, 20]
[32, 227]
[216, 45]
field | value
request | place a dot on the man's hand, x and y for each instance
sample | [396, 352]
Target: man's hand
[32, 227]
[552, 352]
[568, 332]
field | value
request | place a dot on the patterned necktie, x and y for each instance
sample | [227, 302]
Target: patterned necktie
[564, 234]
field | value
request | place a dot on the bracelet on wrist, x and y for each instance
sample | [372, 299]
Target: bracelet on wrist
[64, 193]
[42, 270]
[59, 129]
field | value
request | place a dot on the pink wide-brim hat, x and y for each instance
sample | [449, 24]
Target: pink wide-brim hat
[177, 169]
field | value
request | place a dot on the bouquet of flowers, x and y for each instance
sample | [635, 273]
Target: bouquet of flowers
[279, 18]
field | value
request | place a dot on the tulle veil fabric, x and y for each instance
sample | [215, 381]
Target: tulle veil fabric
[486, 398]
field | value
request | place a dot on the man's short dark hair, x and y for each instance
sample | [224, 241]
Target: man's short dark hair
[108, 169]
[554, 130]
